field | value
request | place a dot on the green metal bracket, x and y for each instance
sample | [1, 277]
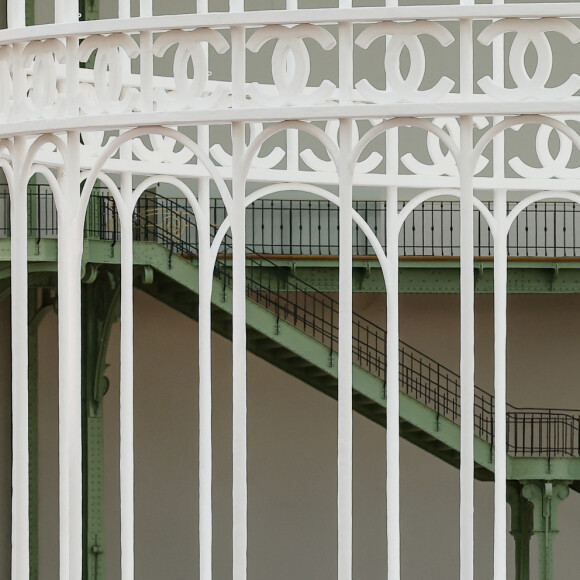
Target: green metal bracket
[100, 310]
[544, 498]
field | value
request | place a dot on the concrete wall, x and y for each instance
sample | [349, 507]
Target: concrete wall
[292, 450]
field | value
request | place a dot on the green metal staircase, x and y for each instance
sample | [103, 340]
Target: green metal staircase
[295, 327]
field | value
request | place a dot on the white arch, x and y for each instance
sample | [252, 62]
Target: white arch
[29, 162]
[112, 147]
[432, 193]
[170, 180]
[406, 122]
[53, 183]
[490, 134]
[314, 190]
[255, 146]
[540, 196]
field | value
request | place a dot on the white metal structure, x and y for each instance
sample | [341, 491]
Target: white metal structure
[151, 112]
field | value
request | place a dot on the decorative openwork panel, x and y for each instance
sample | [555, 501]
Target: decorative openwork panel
[406, 106]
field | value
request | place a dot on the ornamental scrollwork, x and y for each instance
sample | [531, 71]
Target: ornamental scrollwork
[332, 129]
[268, 161]
[443, 163]
[162, 150]
[291, 65]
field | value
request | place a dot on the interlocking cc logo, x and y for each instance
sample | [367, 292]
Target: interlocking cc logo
[530, 33]
[42, 55]
[190, 91]
[400, 35]
[291, 65]
[110, 71]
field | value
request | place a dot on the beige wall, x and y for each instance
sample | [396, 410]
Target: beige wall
[292, 450]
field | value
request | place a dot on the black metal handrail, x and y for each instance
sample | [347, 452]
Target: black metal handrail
[546, 432]
[311, 227]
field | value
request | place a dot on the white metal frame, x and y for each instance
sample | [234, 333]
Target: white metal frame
[47, 128]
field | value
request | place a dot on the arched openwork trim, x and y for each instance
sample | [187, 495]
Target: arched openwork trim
[314, 190]
[536, 197]
[109, 184]
[182, 187]
[114, 145]
[27, 168]
[316, 132]
[52, 182]
[489, 135]
[421, 198]
[405, 122]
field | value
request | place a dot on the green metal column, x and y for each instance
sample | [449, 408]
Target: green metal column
[37, 312]
[89, 9]
[29, 12]
[545, 498]
[100, 302]
[522, 522]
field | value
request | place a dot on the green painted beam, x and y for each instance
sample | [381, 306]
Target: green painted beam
[442, 276]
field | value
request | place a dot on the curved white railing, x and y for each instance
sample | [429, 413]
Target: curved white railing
[302, 103]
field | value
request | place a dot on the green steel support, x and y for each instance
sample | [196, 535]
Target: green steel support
[29, 12]
[100, 302]
[522, 521]
[545, 498]
[37, 312]
[89, 9]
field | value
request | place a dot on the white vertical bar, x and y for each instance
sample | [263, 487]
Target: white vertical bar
[239, 447]
[65, 10]
[467, 366]
[126, 396]
[500, 330]
[146, 61]
[146, 8]
[124, 8]
[19, 316]
[72, 76]
[392, 378]
[345, 71]
[16, 14]
[392, 389]
[291, 4]
[237, 6]
[238, 36]
[239, 418]
[205, 354]
[205, 384]
[345, 356]
[70, 248]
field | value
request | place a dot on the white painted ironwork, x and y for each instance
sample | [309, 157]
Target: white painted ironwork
[132, 129]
